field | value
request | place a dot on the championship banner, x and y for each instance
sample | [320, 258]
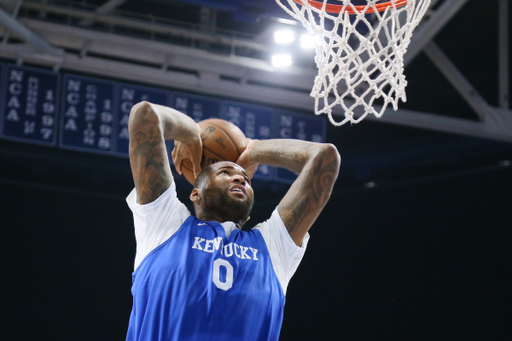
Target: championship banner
[29, 106]
[87, 114]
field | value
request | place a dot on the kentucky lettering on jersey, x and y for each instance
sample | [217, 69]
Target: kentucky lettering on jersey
[203, 285]
[228, 250]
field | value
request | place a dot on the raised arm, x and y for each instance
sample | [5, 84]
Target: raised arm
[149, 126]
[317, 165]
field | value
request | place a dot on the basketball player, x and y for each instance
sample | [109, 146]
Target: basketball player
[201, 277]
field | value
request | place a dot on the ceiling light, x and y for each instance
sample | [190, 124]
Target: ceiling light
[307, 41]
[286, 21]
[284, 36]
[281, 60]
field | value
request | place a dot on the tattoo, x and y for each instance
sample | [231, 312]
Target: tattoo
[308, 195]
[148, 157]
[289, 154]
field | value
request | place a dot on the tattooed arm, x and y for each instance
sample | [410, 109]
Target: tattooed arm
[317, 165]
[149, 126]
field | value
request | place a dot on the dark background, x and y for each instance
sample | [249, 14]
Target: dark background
[415, 243]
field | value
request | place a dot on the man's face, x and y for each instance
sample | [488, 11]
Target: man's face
[228, 192]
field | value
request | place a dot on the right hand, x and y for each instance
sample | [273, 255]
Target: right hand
[245, 162]
[191, 149]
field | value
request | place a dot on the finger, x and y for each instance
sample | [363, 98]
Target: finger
[173, 155]
[196, 161]
[197, 157]
[178, 160]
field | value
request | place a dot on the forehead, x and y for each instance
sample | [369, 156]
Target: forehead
[228, 164]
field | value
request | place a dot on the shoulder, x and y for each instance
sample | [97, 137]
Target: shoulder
[168, 195]
[274, 229]
[156, 221]
[285, 255]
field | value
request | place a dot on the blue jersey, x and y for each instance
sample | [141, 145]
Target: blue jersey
[203, 285]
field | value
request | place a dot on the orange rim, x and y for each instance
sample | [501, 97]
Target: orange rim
[358, 9]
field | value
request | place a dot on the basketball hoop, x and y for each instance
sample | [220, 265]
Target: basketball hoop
[356, 9]
[359, 52]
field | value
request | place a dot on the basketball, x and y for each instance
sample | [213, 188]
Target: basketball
[222, 141]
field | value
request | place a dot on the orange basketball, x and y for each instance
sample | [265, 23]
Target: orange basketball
[222, 141]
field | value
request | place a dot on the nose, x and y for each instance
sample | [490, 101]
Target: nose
[238, 178]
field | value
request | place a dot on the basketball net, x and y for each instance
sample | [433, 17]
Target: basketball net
[359, 52]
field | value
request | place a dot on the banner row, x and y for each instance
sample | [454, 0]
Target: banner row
[91, 114]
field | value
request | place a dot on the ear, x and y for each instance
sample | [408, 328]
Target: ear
[195, 196]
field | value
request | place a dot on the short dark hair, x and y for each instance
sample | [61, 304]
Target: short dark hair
[203, 176]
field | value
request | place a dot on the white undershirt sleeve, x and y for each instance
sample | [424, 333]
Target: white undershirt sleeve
[284, 253]
[157, 221]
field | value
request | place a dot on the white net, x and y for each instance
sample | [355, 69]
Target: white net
[359, 56]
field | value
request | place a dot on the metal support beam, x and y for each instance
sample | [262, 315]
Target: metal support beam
[26, 34]
[14, 15]
[159, 28]
[208, 19]
[430, 28]
[449, 124]
[503, 54]
[145, 51]
[107, 7]
[450, 71]
[208, 23]
[136, 49]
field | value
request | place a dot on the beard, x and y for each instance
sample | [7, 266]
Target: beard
[220, 202]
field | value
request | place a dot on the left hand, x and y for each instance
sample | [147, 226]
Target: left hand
[244, 160]
[192, 150]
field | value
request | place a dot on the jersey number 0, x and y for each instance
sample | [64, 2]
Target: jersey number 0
[228, 283]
